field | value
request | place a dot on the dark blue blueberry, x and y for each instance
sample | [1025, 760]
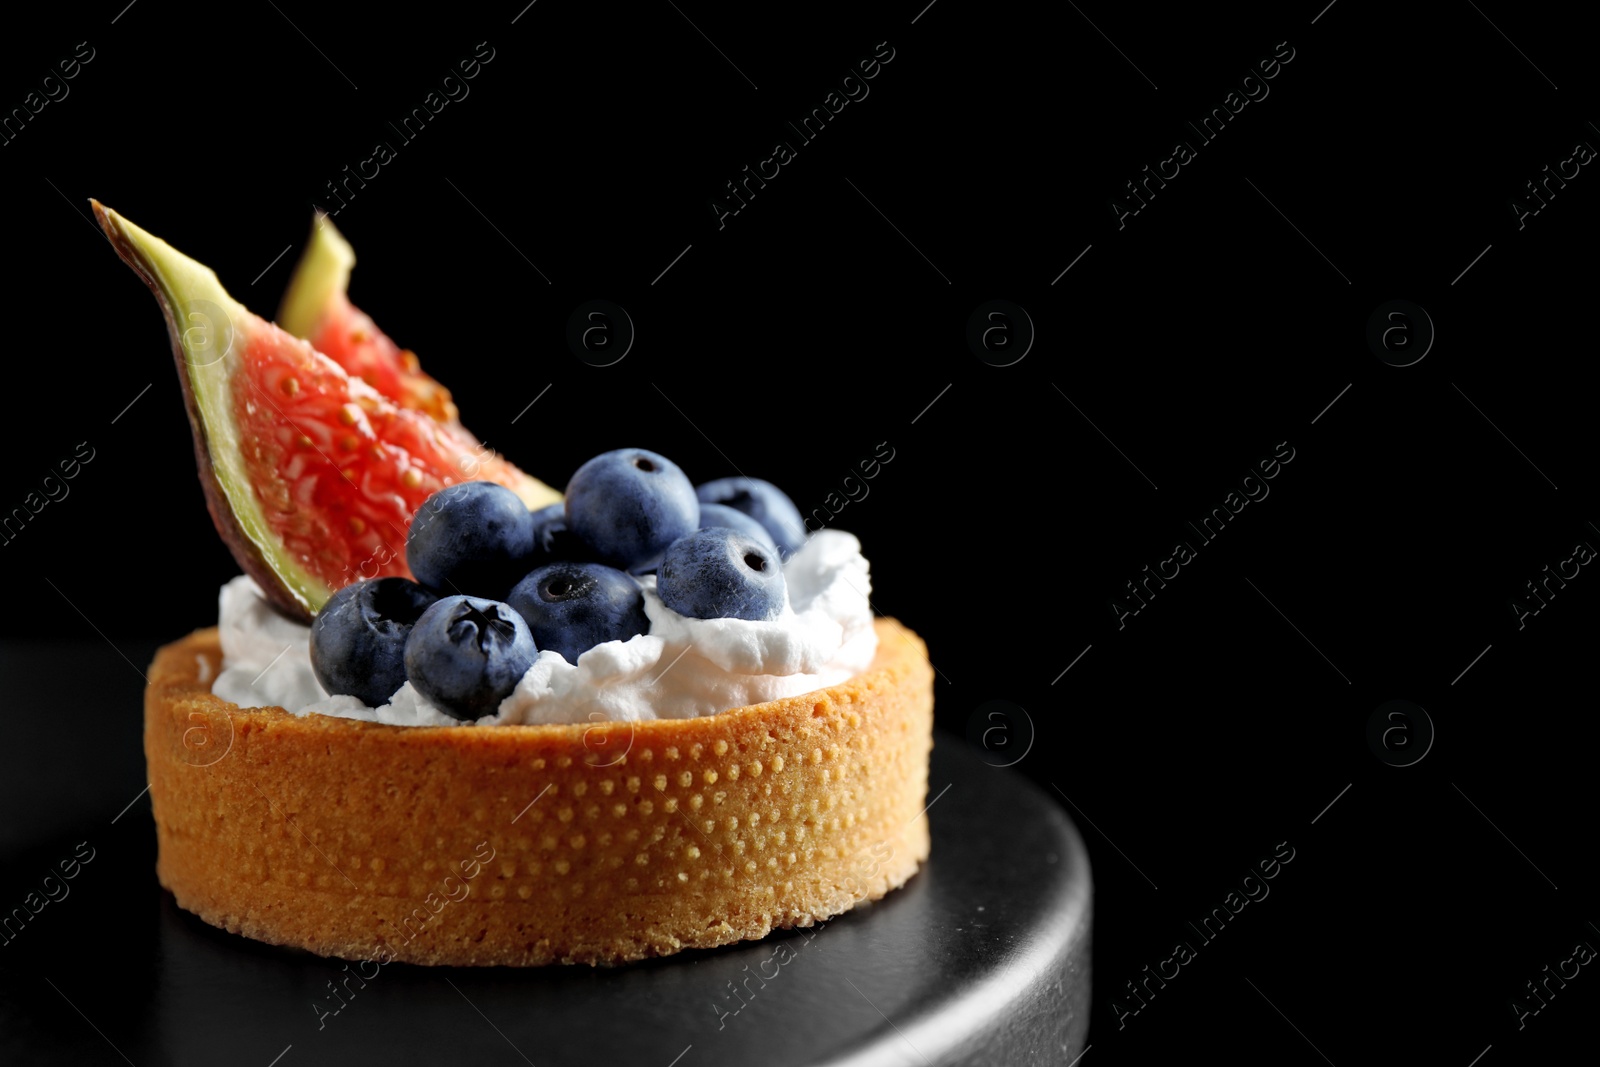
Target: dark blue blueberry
[358, 640]
[729, 518]
[571, 607]
[721, 574]
[475, 538]
[762, 501]
[466, 655]
[629, 505]
[553, 540]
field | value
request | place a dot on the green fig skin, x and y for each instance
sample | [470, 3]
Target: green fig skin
[204, 324]
[323, 271]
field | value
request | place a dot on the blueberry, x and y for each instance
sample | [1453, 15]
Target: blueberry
[721, 574]
[762, 501]
[571, 607]
[722, 515]
[466, 655]
[358, 640]
[474, 538]
[629, 505]
[553, 540]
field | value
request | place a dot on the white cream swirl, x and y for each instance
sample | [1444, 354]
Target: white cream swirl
[682, 668]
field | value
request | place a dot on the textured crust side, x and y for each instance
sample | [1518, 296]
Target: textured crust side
[525, 845]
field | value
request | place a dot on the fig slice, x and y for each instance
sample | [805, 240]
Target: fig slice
[316, 308]
[311, 475]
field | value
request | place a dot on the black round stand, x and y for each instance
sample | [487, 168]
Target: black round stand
[983, 958]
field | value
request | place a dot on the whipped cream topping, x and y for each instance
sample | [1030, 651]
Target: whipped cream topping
[681, 668]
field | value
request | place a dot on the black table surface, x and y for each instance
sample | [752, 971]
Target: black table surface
[983, 957]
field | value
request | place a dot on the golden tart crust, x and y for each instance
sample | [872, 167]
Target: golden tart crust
[524, 845]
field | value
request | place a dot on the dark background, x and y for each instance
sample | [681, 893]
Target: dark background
[830, 313]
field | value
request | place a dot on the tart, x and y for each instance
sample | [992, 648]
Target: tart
[523, 845]
[505, 840]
